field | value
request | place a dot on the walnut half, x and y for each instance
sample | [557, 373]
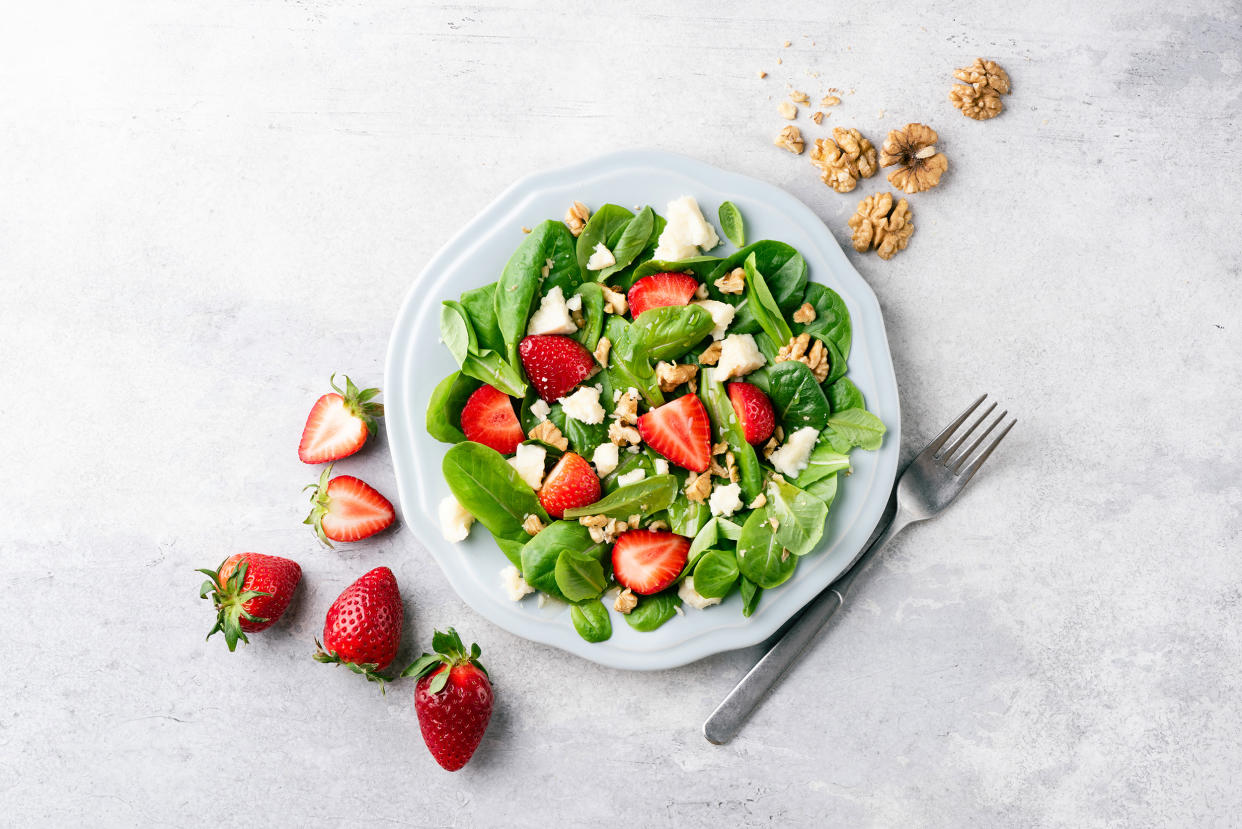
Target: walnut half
[913, 149]
[976, 101]
[790, 138]
[881, 225]
[844, 159]
[986, 72]
[576, 217]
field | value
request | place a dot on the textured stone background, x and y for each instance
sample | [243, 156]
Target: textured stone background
[205, 210]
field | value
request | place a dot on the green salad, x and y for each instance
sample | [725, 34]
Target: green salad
[642, 421]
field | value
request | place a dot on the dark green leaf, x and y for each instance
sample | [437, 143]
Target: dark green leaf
[715, 574]
[824, 461]
[703, 540]
[728, 429]
[579, 578]
[653, 611]
[759, 556]
[762, 305]
[489, 367]
[700, 266]
[524, 277]
[750, 596]
[480, 305]
[832, 318]
[455, 331]
[541, 554]
[643, 498]
[783, 269]
[843, 395]
[631, 242]
[592, 313]
[797, 398]
[825, 489]
[591, 620]
[444, 408]
[607, 226]
[686, 517]
[490, 489]
[511, 548]
[731, 223]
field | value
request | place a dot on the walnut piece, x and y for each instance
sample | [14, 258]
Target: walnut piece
[762, 74]
[790, 138]
[977, 101]
[829, 101]
[576, 217]
[547, 432]
[986, 72]
[844, 159]
[532, 525]
[913, 149]
[699, 487]
[810, 352]
[734, 282]
[787, 110]
[817, 117]
[626, 410]
[760, 500]
[799, 97]
[602, 528]
[614, 301]
[731, 467]
[711, 355]
[601, 351]
[881, 225]
[770, 447]
[626, 601]
[672, 375]
[720, 448]
[805, 314]
[623, 435]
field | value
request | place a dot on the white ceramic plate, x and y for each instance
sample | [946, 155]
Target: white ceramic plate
[417, 361]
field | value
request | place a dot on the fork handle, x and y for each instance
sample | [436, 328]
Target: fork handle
[728, 718]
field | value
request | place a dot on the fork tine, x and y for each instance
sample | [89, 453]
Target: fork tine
[960, 460]
[974, 467]
[957, 444]
[935, 445]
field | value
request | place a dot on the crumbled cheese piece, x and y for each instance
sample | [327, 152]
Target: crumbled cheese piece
[454, 520]
[661, 466]
[794, 454]
[529, 463]
[574, 303]
[605, 458]
[540, 409]
[583, 405]
[686, 231]
[515, 586]
[725, 499]
[722, 314]
[631, 477]
[552, 316]
[739, 356]
[601, 258]
[690, 596]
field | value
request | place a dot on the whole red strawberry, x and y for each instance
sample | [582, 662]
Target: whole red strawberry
[251, 592]
[339, 423]
[754, 412]
[453, 699]
[555, 364]
[363, 628]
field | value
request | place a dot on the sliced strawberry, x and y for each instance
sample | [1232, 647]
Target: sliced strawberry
[647, 562]
[555, 364]
[347, 509]
[681, 432]
[754, 412]
[488, 418]
[661, 289]
[571, 483]
[339, 423]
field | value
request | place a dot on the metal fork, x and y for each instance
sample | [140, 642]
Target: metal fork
[928, 485]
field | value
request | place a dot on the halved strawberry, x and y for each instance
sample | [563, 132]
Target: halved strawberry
[646, 561]
[754, 412]
[555, 364]
[488, 418]
[571, 483]
[681, 432]
[661, 289]
[339, 423]
[347, 509]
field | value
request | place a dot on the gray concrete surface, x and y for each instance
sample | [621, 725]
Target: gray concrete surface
[206, 210]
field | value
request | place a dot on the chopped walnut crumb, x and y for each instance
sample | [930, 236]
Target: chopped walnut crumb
[770, 447]
[699, 487]
[532, 525]
[672, 375]
[731, 467]
[626, 410]
[986, 72]
[720, 448]
[576, 217]
[811, 353]
[799, 97]
[829, 101]
[655, 526]
[774, 524]
[760, 500]
[718, 470]
[779, 431]
[623, 435]
[701, 291]
[787, 44]
[626, 601]
[547, 432]
[762, 74]
[805, 314]
[601, 351]
[734, 282]
[711, 355]
[602, 528]
[790, 138]
[844, 159]
[817, 117]
[881, 225]
[913, 149]
[525, 229]
[977, 101]
[577, 317]
[614, 301]
[787, 110]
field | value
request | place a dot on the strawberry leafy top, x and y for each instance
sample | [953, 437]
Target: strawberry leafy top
[359, 402]
[449, 652]
[230, 600]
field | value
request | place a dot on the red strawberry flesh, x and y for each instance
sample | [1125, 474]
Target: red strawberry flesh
[572, 483]
[488, 418]
[754, 412]
[647, 561]
[661, 289]
[555, 364]
[681, 432]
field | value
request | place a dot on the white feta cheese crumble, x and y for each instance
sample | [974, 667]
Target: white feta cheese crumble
[722, 314]
[540, 409]
[661, 466]
[725, 500]
[583, 405]
[685, 232]
[552, 316]
[529, 463]
[631, 477]
[574, 303]
[792, 456]
[690, 596]
[515, 586]
[454, 520]
[605, 458]
[601, 258]
[739, 356]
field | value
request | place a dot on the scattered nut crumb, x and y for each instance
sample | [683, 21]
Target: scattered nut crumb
[525, 229]
[806, 313]
[977, 101]
[779, 61]
[720, 448]
[711, 355]
[760, 500]
[779, 431]
[774, 524]
[811, 353]
[699, 487]
[734, 282]
[576, 217]
[614, 302]
[626, 410]
[532, 525]
[799, 97]
[762, 74]
[578, 318]
[731, 467]
[623, 435]
[790, 138]
[656, 526]
[787, 110]
[770, 447]
[829, 101]
[601, 351]
[817, 117]
[881, 225]
[602, 528]
[547, 432]
[672, 375]
[913, 149]
[787, 44]
[626, 601]
[844, 159]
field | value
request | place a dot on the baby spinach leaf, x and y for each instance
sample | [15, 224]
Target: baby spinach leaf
[728, 529]
[653, 611]
[763, 307]
[592, 312]
[490, 489]
[541, 553]
[512, 550]
[456, 332]
[824, 461]
[444, 408]
[607, 226]
[631, 242]
[686, 517]
[825, 489]
[666, 333]
[799, 517]
[560, 246]
[716, 573]
[797, 398]
[832, 318]
[705, 539]
[489, 367]
[628, 463]
[521, 281]
[836, 360]
[782, 267]
[729, 430]
[480, 305]
[578, 577]
[750, 596]
[859, 427]
[731, 223]
[644, 497]
[760, 557]
[843, 395]
[700, 266]
[591, 620]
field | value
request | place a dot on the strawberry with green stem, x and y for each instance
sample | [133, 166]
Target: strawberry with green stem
[453, 699]
[362, 629]
[251, 591]
[339, 423]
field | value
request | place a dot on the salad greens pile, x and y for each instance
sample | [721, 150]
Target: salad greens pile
[749, 549]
